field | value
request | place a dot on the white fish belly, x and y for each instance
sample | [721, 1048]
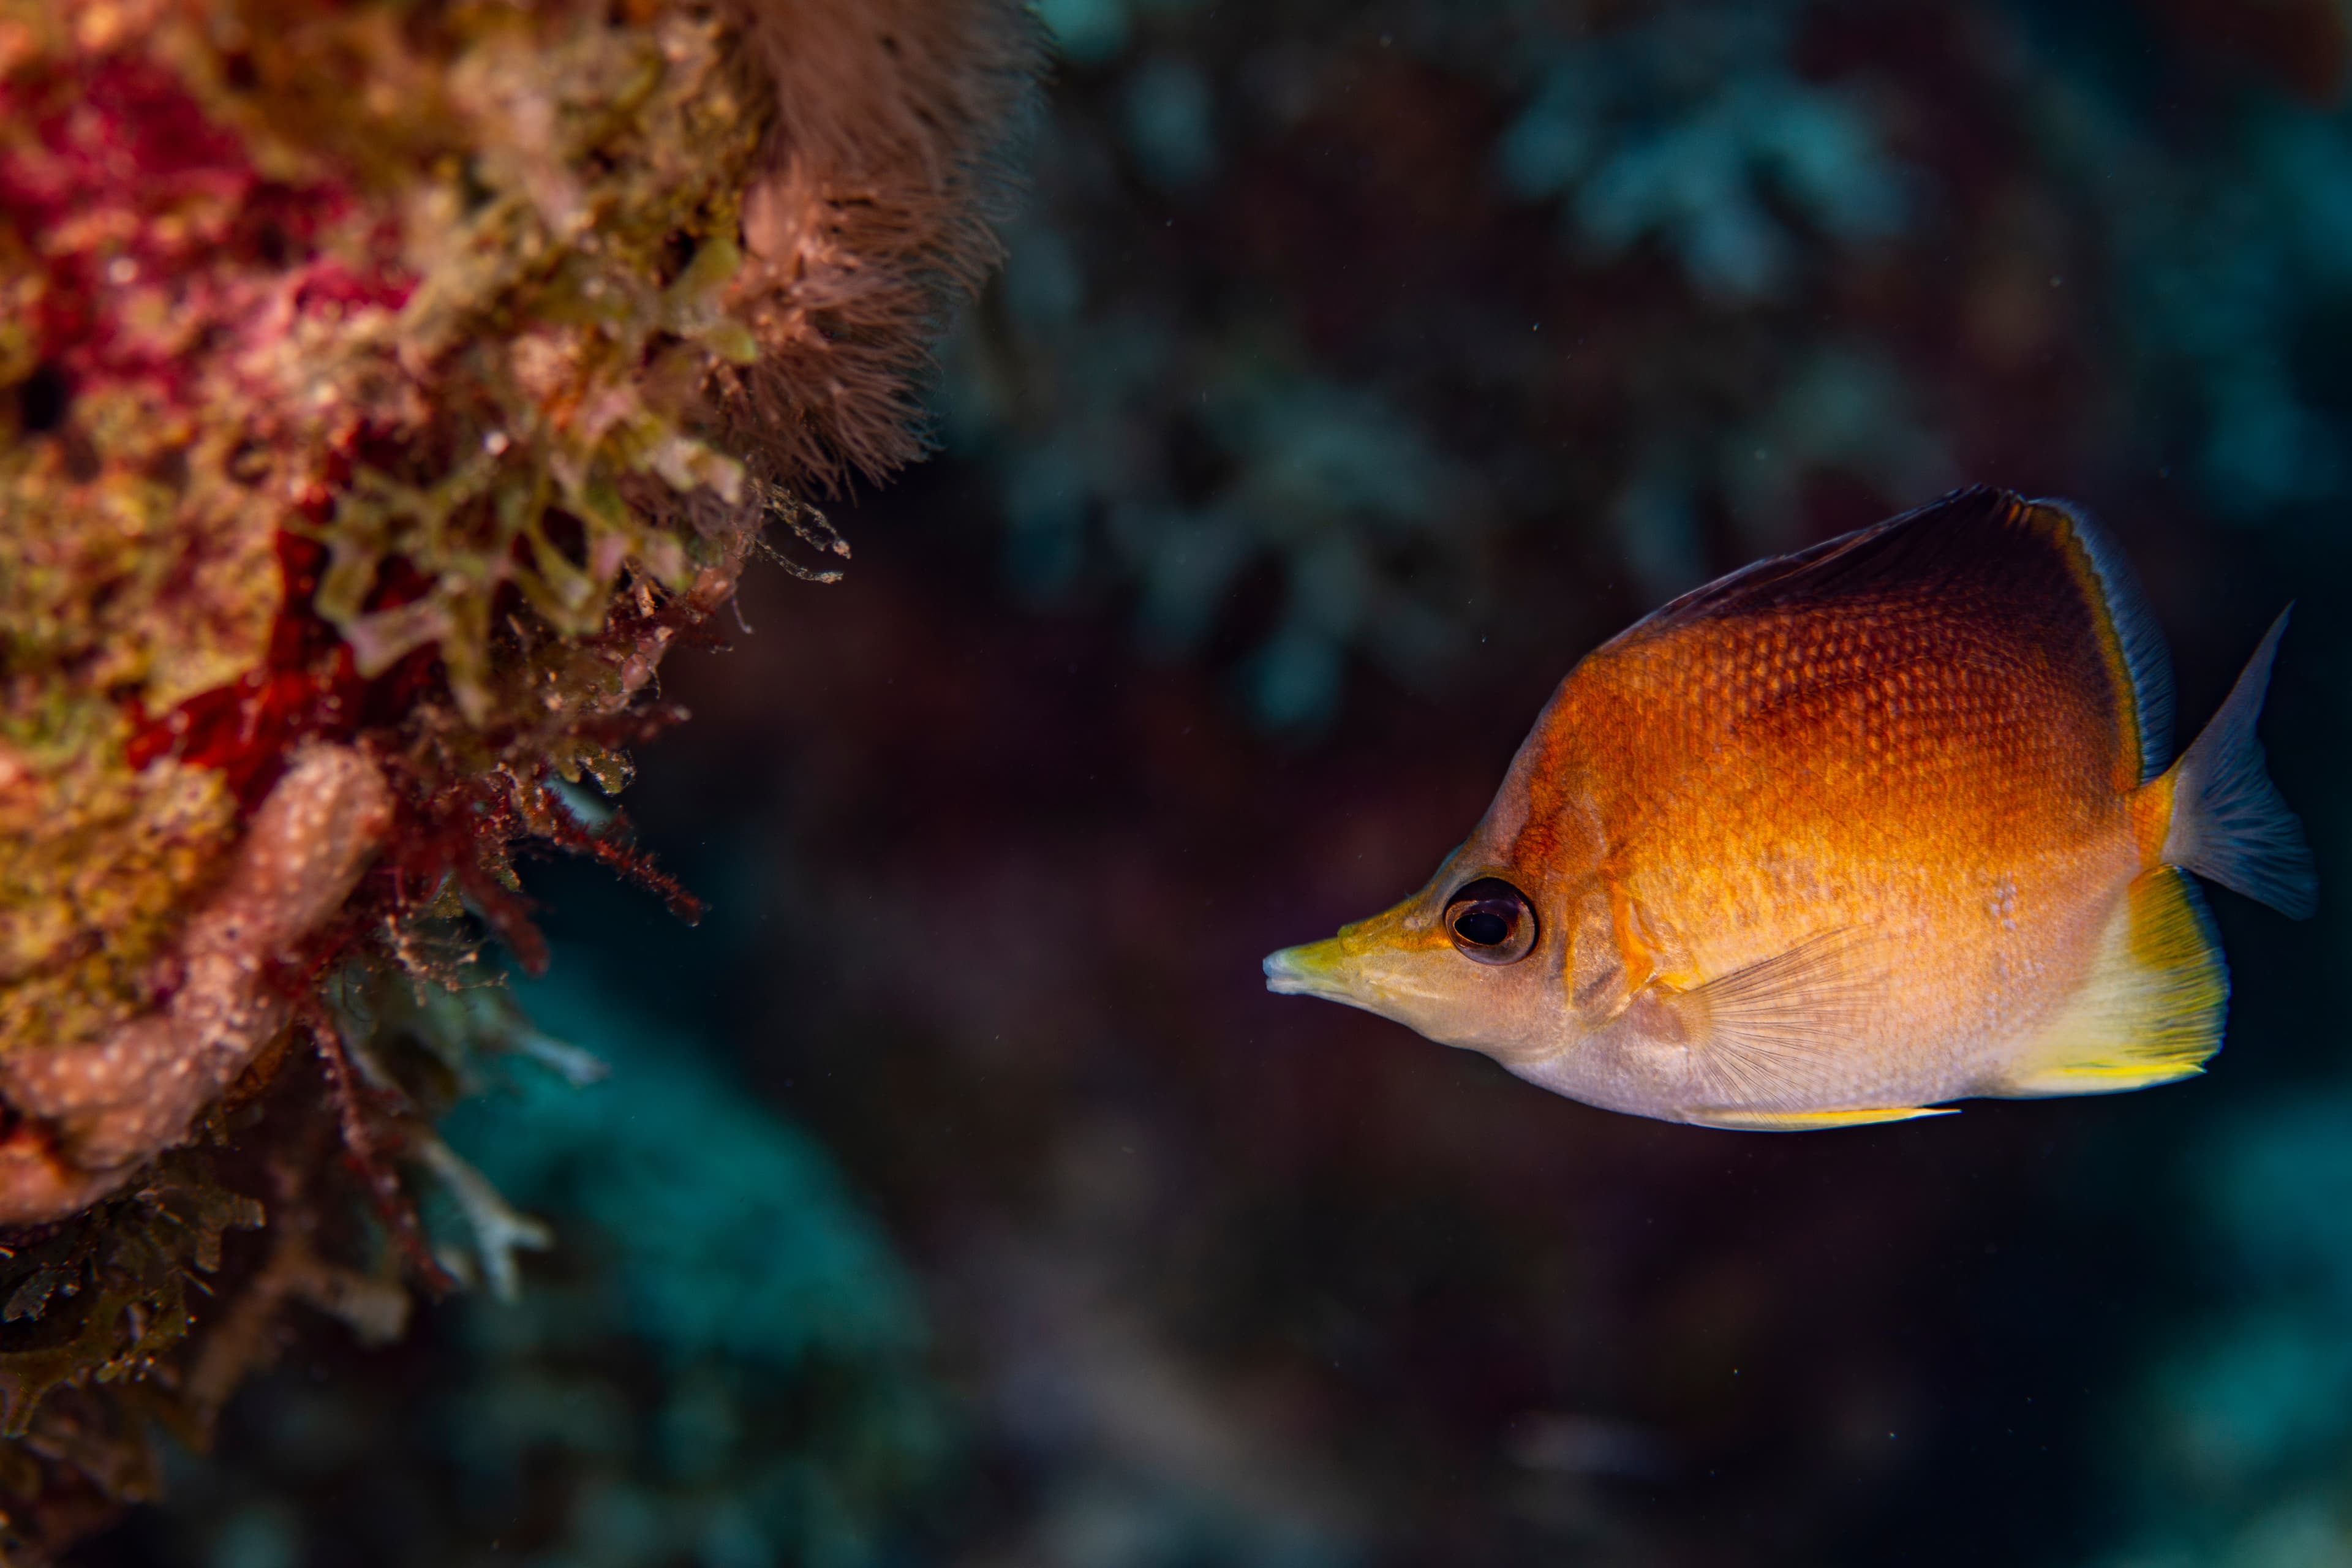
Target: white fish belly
[1939, 1013]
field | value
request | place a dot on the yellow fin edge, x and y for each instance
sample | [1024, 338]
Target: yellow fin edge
[2149, 1011]
[1811, 1121]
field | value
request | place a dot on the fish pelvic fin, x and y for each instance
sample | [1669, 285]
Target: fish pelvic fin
[1811, 1121]
[2229, 822]
[2150, 1011]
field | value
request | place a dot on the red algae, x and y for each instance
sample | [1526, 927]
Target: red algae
[309, 687]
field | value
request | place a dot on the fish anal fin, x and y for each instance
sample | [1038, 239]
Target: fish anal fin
[1811, 1121]
[2149, 1011]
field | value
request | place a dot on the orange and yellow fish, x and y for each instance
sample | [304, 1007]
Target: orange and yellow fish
[1847, 835]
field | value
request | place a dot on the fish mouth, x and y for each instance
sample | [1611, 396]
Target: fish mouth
[1314, 969]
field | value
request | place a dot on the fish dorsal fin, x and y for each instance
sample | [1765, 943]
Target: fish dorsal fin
[2041, 569]
[1766, 1041]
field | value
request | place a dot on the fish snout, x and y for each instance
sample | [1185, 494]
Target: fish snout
[1311, 969]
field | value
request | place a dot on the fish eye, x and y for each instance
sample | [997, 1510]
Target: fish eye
[1491, 921]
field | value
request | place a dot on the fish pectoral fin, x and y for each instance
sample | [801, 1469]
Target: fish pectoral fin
[1762, 1045]
[2149, 1011]
[1811, 1121]
[1767, 1039]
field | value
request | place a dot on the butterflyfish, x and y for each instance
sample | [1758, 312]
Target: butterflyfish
[1850, 834]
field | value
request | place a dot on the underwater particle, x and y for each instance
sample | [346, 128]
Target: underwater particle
[1752, 951]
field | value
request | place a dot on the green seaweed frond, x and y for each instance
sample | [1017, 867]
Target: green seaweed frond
[574, 274]
[106, 1294]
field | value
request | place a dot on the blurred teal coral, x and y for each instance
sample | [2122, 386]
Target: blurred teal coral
[721, 1362]
[732, 1235]
[1166, 425]
[1095, 32]
[1801, 253]
[2237, 1439]
[1085, 32]
[1691, 128]
[1171, 120]
[712, 1241]
[2235, 261]
[1326, 485]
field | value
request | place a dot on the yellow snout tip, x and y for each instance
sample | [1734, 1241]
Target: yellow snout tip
[1311, 969]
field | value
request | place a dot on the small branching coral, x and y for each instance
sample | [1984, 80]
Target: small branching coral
[384, 387]
[1688, 130]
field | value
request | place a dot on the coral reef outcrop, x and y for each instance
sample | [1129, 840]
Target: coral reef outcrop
[384, 387]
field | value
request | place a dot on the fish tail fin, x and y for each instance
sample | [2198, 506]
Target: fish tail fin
[2150, 1010]
[2229, 823]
